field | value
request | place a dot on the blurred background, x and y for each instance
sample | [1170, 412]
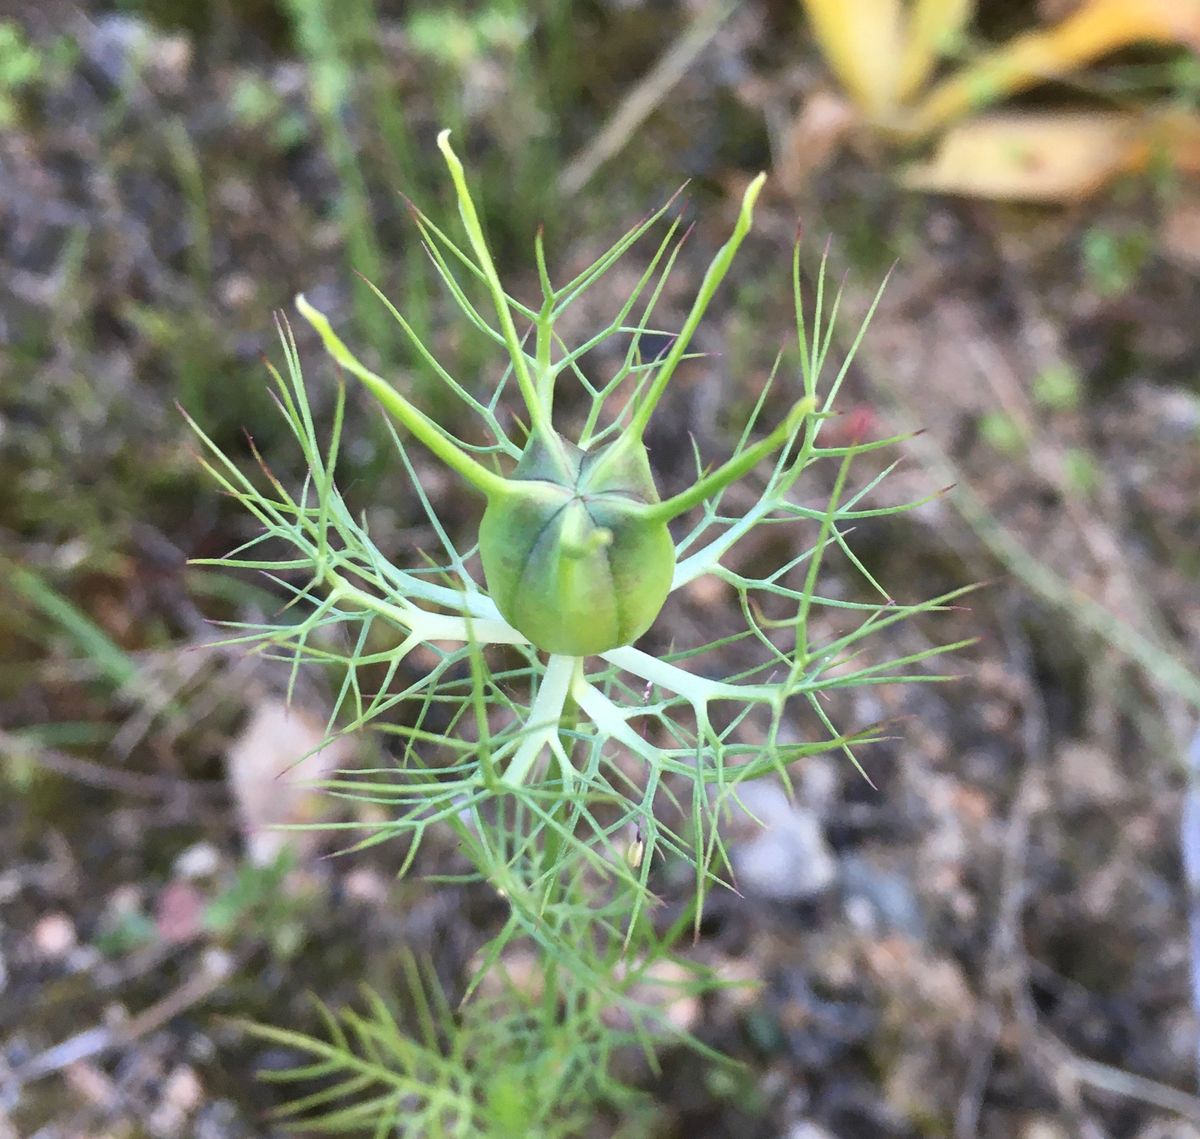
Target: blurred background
[990, 941]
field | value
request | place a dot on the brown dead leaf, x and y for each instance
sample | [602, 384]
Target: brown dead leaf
[1055, 157]
[1180, 233]
[1060, 157]
[1174, 135]
[815, 135]
[271, 767]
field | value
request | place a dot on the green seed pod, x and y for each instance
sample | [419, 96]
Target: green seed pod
[574, 558]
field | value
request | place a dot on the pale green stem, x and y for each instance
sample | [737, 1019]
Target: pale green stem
[545, 331]
[413, 418]
[733, 470]
[708, 558]
[545, 717]
[696, 690]
[428, 626]
[538, 412]
[472, 604]
[708, 287]
[546, 372]
[610, 719]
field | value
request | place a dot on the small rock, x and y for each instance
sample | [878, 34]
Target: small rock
[1042, 1127]
[803, 1129]
[184, 1089]
[1087, 774]
[785, 857]
[54, 936]
[168, 64]
[879, 900]
[237, 290]
[667, 987]
[365, 884]
[667, 984]
[117, 46]
[202, 860]
[182, 1094]
[217, 963]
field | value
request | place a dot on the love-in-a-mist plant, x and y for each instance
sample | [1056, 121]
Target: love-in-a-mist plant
[569, 762]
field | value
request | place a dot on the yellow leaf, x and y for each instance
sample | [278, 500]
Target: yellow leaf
[1095, 29]
[1060, 157]
[862, 40]
[933, 28]
[1174, 134]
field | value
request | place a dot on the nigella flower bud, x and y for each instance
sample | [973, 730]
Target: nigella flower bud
[573, 556]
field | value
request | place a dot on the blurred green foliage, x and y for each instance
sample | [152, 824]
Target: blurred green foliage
[25, 66]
